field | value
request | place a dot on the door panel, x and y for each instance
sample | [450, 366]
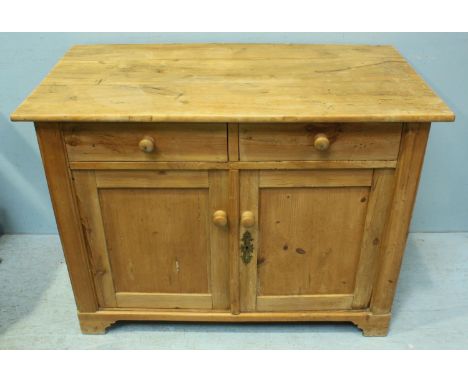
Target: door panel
[315, 238]
[311, 233]
[151, 239]
[157, 239]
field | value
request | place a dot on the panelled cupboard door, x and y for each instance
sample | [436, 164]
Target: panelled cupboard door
[154, 239]
[310, 239]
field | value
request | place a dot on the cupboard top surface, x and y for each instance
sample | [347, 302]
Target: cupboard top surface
[233, 83]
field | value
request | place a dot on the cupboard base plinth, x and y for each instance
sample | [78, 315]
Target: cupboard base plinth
[370, 324]
[94, 325]
[374, 325]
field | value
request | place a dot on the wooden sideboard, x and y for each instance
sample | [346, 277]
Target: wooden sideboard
[233, 183]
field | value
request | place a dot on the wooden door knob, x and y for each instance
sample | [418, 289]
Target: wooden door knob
[247, 219]
[321, 142]
[220, 218]
[146, 144]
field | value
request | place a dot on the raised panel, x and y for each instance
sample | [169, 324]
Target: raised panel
[309, 240]
[157, 239]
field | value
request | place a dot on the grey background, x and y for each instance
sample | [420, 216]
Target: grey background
[441, 59]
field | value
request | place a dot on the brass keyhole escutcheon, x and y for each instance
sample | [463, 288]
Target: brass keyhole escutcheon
[247, 247]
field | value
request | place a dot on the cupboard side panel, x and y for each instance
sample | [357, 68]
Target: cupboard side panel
[63, 199]
[413, 146]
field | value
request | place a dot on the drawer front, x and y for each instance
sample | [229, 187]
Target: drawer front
[146, 142]
[315, 141]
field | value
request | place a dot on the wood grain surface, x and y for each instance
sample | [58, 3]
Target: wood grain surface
[233, 83]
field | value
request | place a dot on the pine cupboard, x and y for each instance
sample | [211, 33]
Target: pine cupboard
[236, 183]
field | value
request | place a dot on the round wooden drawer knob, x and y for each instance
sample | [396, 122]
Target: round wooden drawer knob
[321, 142]
[146, 145]
[220, 218]
[247, 219]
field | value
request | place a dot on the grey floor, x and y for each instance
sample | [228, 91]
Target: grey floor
[37, 309]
